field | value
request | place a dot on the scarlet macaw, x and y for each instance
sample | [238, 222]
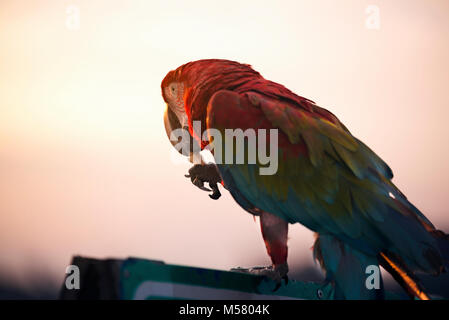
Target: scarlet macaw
[327, 180]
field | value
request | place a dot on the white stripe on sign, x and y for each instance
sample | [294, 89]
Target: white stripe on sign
[150, 289]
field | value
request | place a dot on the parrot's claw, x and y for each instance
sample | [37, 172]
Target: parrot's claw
[201, 173]
[278, 284]
[200, 184]
[216, 193]
[276, 274]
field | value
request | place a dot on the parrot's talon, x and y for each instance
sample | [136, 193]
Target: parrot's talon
[201, 173]
[200, 185]
[197, 182]
[216, 193]
[276, 274]
[278, 285]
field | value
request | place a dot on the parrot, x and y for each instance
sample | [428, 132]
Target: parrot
[327, 180]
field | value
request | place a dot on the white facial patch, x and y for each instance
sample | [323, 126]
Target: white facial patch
[174, 94]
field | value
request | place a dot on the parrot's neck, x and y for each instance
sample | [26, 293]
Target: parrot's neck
[202, 83]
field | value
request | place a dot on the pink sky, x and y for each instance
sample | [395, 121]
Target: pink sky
[84, 161]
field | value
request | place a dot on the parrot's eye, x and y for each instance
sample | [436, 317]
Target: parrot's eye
[173, 89]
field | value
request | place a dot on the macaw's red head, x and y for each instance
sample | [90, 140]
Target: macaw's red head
[173, 90]
[187, 90]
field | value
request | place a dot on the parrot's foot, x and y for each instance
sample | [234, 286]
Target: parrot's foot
[276, 273]
[201, 173]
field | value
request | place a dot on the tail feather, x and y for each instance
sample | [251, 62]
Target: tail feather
[406, 279]
[423, 248]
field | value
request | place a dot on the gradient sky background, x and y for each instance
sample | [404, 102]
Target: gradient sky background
[85, 166]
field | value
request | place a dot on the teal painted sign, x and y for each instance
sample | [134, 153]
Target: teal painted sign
[145, 279]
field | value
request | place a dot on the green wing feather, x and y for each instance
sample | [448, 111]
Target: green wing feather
[327, 179]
